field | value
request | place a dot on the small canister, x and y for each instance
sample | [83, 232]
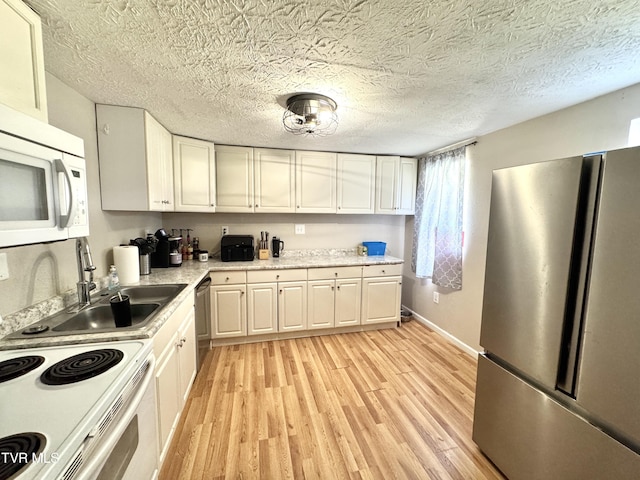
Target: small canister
[203, 255]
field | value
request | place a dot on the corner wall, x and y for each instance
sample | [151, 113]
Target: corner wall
[599, 124]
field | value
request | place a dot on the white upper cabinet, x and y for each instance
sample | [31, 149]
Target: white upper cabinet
[274, 180]
[136, 160]
[315, 182]
[194, 175]
[407, 183]
[396, 185]
[356, 183]
[22, 83]
[234, 179]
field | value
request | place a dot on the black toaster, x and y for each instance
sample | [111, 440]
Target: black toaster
[236, 248]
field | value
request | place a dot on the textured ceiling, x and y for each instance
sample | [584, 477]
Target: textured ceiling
[409, 76]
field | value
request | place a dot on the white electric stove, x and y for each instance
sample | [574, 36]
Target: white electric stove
[78, 411]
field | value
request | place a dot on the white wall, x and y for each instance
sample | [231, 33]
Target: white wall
[600, 124]
[38, 272]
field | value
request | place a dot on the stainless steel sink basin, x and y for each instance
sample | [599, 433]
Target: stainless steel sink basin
[146, 302]
[101, 318]
[151, 293]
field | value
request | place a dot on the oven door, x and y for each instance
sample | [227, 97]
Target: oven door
[127, 450]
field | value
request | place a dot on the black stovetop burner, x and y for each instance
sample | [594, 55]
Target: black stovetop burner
[15, 367]
[17, 451]
[81, 367]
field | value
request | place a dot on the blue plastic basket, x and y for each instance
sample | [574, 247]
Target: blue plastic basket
[375, 248]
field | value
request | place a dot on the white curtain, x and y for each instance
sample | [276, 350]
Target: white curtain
[437, 234]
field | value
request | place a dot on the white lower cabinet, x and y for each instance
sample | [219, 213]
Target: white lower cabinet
[278, 302]
[228, 304]
[259, 302]
[229, 310]
[262, 308]
[381, 289]
[175, 349]
[292, 306]
[334, 297]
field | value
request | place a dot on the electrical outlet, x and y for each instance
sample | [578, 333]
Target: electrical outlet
[225, 230]
[299, 229]
[436, 297]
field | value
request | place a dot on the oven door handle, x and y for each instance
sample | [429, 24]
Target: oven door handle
[100, 455]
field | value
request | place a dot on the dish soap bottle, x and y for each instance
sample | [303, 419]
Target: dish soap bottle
[114, 281]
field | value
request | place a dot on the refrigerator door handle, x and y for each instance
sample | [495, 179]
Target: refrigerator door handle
[579, 275]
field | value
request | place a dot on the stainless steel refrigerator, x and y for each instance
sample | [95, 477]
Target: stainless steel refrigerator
[558, 388]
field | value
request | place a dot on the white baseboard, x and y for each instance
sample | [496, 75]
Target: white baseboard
[463, 346]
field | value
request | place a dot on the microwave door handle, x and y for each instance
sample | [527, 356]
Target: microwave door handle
[66, 218]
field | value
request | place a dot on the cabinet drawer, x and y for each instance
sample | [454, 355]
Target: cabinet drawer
[382, 270]
[228, 278]
[264, 276]
[330, 273]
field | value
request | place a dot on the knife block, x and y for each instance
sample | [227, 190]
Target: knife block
[263, 254]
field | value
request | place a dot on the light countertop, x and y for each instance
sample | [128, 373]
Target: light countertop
[191, 272]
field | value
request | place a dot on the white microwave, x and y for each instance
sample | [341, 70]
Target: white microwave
[43, 184]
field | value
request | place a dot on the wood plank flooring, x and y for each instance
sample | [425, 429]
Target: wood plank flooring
[384, 404]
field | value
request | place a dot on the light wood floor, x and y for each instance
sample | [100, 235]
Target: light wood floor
[384, 404]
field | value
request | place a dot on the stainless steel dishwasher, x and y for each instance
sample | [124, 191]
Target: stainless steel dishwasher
[203, 319]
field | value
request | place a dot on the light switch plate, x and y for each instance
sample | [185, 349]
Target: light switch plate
[4, 267]
[299, 229]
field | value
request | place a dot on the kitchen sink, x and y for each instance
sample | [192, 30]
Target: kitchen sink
[100, 318]
[146, 302]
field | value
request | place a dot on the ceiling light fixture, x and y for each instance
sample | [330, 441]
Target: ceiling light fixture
[310, 114]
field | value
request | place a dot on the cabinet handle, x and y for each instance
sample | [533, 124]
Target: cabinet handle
[226, 279]
[277, 277]
[281, 291]
[338, 287]
[336, 274]
[256, 205]
[384, 271]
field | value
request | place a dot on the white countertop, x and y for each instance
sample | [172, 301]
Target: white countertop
[191, 273]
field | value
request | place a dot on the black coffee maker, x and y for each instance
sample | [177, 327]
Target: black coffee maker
[160, 258]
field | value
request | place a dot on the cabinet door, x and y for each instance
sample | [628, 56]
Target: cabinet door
[356, 183]
[292, 306]
[274, 180]
[262, 306]
[315, 182]
[348, 300]
[21, 57]
[381, 299]
[387, 169]
[159, 158]
[234, 179]
[167, 377]
[228, 310]
[122, 147]
[321, 304]
[194, 175]
[407, 181]
[187, 355]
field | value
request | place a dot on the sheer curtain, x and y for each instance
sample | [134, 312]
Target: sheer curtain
[437, 233]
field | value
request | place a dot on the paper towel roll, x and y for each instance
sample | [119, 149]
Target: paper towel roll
[125, 258]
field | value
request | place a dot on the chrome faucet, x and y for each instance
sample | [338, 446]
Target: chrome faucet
[85, 264]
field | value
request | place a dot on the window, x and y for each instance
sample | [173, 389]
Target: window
[437, 234]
